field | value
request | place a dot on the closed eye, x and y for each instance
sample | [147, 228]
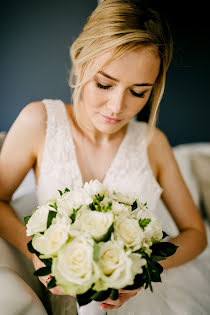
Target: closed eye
[101, 86]
[141, 95]
[106, 87]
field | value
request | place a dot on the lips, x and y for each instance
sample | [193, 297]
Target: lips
[111, 118]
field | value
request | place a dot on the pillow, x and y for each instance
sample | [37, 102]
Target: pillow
[201, 168]
[183, 161]
[182, 154]
[2, 137]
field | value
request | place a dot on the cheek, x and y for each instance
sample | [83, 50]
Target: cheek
[92, 95]
[136, 105]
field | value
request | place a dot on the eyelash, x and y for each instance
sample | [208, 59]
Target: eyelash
[106, 87]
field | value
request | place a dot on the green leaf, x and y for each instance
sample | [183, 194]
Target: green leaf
[26, 219]
[92, 206]
[144, 222]
[85, 298]
[66, 190]
[107, 236]
[31, 249]
[155, 258]
[164, 235]
[134, 205]
[47, 262]
[163, 249]
[96, 251]
[60, 192]
[51, 215]
[74, 214]
[52, 283]
[99, 197]
[101, 296]
[155, 270]
[53, 206]
[42, 271]
[139, 281]
[114, 294]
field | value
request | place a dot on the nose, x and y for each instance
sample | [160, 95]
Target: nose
[116, 102]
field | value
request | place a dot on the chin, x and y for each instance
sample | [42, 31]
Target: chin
[106, 128]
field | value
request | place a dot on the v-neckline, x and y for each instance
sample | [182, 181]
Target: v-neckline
[74, 154]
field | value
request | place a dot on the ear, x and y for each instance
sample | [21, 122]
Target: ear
[76, 70]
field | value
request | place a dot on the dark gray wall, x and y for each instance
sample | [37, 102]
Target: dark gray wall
[34, 54]
[34, 62]
[185, 108]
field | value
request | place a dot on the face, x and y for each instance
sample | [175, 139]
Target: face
[120, 90]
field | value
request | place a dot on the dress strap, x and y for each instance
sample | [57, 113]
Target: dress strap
[57, 150]
[57, 122]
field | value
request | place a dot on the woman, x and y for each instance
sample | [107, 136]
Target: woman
[119, 67]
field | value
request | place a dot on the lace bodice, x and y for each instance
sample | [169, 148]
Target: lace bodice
[129, 172]
[185, 289]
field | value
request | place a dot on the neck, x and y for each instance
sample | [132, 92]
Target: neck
[95, 136]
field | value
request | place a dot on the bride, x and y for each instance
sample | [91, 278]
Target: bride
[119, 67]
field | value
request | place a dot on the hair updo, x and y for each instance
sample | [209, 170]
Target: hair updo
[120, 26]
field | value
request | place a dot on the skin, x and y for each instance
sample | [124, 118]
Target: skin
[120, 102]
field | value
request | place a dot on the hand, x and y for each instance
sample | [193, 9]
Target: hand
[46, 279]
[124, 296]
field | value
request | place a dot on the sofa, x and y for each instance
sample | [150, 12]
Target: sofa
[21, 293]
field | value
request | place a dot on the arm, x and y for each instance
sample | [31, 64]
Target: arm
[176, 196]
[18, 155]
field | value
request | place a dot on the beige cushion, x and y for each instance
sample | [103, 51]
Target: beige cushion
[2, 137]
[201, 169]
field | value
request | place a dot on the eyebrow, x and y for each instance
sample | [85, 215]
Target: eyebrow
[137, 84]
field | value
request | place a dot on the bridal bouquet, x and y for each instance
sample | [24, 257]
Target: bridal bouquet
[95, 241]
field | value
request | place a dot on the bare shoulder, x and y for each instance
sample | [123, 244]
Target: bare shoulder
[33, 112]
[159, 151]
[21, 147]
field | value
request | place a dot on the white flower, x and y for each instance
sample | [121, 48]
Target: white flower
[62, 219]
[153, 230]
[72, 200]
[38, 220]
[128, 229]
[94, 187]
[127, 199]
[51, 241]
[74, 268]
[119, 208]
[138, 263]
[115, 266]
[94, 222]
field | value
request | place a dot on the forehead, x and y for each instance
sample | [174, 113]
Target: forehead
[140, 65]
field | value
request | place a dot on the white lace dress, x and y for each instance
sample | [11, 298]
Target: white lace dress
[185, 290]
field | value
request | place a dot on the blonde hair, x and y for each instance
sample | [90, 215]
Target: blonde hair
[118, 27]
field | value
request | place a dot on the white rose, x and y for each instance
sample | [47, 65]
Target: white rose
[115, 266]
[120, 197]
[94, 222]
[128, 229]
[72, 200]
[62, 219]
[38, 220]
[94, 187]
[138, 263]
[153, 230]
[119, 208]
[51, 241]
[74, 268]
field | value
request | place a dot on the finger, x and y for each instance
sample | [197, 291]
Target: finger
[57, 291]
[46, 279]
[111, 302]
[129, 291]
[108, 306]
